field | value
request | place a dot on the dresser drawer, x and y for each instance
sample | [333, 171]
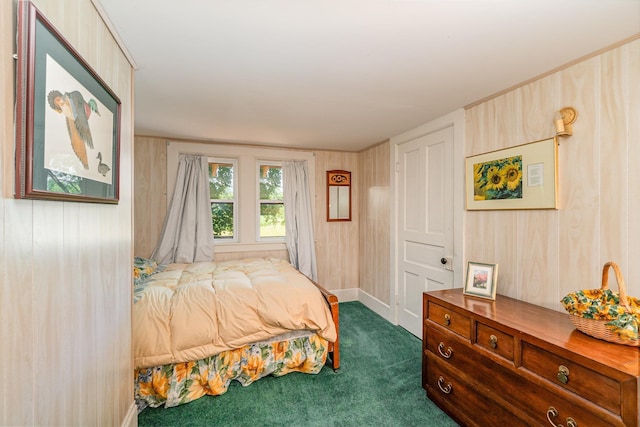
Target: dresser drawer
[563, 413]
[449, 347]
[498, 342]
[549, 408]
[592, 385]
[452, 320]
[533, 404]
[472, 407]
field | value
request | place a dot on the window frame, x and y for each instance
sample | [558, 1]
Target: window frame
[235, 200]
[260, 201]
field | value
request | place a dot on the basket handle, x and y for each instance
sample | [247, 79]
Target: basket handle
[621, 285]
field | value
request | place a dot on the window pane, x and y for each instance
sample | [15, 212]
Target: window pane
[221, 181]
[270, 182]
[222, 220]
[272, 220]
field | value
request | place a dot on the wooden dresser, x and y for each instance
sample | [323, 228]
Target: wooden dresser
[507, 362]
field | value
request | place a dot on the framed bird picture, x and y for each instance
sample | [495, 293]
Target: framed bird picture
[67, 119]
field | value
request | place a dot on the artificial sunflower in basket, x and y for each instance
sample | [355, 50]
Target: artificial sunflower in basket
[619, 313]
[604, 304]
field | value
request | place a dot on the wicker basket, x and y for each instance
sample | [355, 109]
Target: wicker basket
[597, 328]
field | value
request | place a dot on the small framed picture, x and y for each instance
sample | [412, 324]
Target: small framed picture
[481, 280]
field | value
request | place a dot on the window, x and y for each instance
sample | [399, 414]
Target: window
[270, 203]
[243, 218]
[222, 190]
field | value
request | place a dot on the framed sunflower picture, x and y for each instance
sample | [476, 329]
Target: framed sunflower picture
[520, 177]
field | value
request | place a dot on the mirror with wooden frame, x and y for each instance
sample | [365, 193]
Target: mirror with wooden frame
[338, 195]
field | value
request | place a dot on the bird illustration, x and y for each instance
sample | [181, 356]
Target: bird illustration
[103, 168]
[77, 112]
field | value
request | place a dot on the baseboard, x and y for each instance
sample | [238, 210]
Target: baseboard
[375, 305]
[131, 420]
[346, 295]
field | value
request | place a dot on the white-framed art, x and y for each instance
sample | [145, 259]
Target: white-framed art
[481, 280]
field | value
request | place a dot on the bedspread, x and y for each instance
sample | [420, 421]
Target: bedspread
[175, 384]
[192, 311]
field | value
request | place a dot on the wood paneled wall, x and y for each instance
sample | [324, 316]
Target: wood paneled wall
[543, 255]
[150, 192]
[375, 212]
[337, 243]
[65, 268]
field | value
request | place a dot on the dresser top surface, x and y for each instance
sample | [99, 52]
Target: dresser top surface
[543, 324]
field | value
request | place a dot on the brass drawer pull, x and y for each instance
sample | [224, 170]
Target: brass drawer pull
[563, 374]
[553, 412]
[447, 319]
[445, 389]
[446, 355]
[493, 341]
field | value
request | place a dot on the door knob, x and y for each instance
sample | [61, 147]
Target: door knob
[443, 261]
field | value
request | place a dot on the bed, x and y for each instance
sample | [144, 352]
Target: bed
[197, 327]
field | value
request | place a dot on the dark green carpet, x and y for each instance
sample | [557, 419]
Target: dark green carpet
[378, 384]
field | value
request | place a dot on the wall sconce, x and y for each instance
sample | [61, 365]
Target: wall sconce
[564, 119]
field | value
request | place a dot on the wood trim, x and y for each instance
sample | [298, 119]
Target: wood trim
[332, 301]
[114, 33]
[555, 70]
[131, 419]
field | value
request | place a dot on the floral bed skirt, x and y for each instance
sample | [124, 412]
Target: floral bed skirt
[172, 385]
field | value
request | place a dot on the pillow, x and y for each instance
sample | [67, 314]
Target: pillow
[143, 268]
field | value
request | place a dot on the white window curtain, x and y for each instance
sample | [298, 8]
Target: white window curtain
[299, 218]
[187, 235]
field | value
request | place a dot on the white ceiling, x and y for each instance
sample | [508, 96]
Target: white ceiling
[343, 74]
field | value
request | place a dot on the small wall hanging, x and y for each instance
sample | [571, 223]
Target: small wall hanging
[338, 195]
